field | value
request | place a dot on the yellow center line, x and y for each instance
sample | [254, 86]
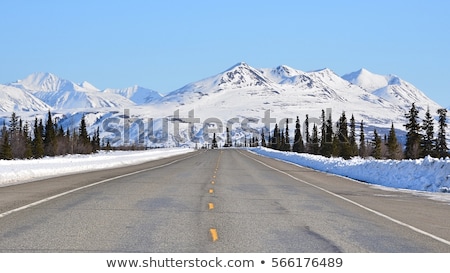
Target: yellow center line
[211, 191]
[214, 235]
[212, 182]
[210, 205]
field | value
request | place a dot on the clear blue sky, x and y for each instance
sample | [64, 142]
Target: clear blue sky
[164, 45]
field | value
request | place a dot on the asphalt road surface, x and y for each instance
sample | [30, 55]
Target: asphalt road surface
[217, 201]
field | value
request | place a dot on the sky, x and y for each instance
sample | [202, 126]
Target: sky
[163, 45]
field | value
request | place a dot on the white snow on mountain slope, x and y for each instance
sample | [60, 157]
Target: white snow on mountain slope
[64, 94]
[393, 89]
[241, 96]
[137, 94]
[239, 76]
[15, 99]
[45, 82]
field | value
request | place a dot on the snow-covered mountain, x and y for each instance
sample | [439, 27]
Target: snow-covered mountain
[243, 97]
[64, 94]
[136, 94]
[392, 88]
[15, 99]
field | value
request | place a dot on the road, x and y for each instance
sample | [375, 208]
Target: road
[217, 201]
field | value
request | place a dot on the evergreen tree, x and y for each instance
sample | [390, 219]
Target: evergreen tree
[322, 131]
[84, 142]
[352, 137]
[344, 149]
[362, 141]
[427, 142]
[287, 141]
[307, 135]
[393, 147]
[15, 138]
[298, 142]
[50, 143]
[6, 145]
[335, 146]
[28, 153]
[275, 138]
[441, 142]
[228, 141]
[38, 142]
[413, 137]
[283, 142]
[263, 138]
[214, 141]
[327, 142]
[376, 151]
[315, 142]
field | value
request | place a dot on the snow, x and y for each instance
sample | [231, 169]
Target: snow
[22, 171]
[427, 174]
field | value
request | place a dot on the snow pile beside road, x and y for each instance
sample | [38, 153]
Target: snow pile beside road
[427, 174]
[19, 171]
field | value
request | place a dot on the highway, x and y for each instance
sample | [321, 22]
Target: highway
[217, 201]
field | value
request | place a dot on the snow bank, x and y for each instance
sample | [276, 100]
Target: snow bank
[20, 171]
[427, 174]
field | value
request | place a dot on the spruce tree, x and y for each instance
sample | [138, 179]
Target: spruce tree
[6, 146]
[307, 135]
[427, 141]
[336, 146]
[413, 137]
[297, 137]
[228, 141]
[441, 142]
[38, 142]
[352, 137]
[393, 147]
[275, 138]
[84, 143]
[344, 149]
[50, 143]
[28, 153]
[214, 141]
[326, 148]
[287, 141]
[323, 132]
[362, 141]
[263, 138]
[315, 142]
[376, 151]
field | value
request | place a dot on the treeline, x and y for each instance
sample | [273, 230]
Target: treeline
[21, 140]
[348, 139]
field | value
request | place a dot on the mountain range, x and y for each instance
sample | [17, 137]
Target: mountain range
[241, 97]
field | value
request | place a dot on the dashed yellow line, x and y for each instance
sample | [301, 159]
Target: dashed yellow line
[211, 191]
[214, 235]
[212, 182]
[210, 205]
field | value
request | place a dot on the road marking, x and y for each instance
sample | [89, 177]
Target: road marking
[91, 185]
[212, 182]
[214, 235]
[210, 205]
[442, 240]
[211, 191]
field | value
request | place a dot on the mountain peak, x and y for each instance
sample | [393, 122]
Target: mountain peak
[366, 79]
[241, 75]
[43, 81]
[88, 86]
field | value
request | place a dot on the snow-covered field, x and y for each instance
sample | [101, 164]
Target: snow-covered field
[21, 171]
[424, 175]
